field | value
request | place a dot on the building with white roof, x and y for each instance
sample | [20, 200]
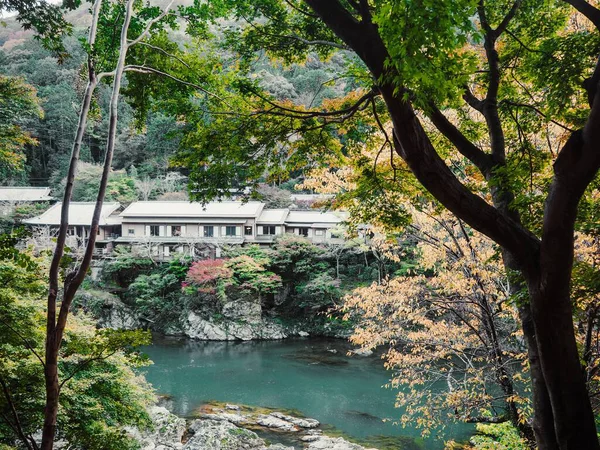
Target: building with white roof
[167, 227]
[80, 219]
[317, 226]
[13, 196]
[24, 194]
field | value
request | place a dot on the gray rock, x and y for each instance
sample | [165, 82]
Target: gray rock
[236, 419]
[197, 327]
[221, 435]
[303, 334]
[361, 352]
[250, 311]
[166, 433]
[271, 421]
[303, 423]
[232, 407]
[108, 309]
[328, 443]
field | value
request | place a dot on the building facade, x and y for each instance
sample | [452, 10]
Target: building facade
[80, 217]
[166, 229]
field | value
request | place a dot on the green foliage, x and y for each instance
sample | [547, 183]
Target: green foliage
[425, 41]
[120, 188]
[157, 296]
[320, 291]
[18, 101]
[251, 276]
[500, 436]
[125, 266]
[100, 392]
[294, 258]
[45, 18]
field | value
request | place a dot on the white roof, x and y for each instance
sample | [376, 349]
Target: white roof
[24, 194]
[311, 197]
[273, 216]
[80, 213]
[187, 209]
[313, 217]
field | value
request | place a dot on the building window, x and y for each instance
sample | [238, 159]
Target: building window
[318, 232]
[268, 229]
[247, 231]
[209, 231]
[154, 230]
[176, 230]
[303, 231]
[131, 231]
[230, 230]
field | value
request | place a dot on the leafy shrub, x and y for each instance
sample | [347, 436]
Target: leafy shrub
[498, 436]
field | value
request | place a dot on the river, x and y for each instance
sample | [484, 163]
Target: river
[313, 376]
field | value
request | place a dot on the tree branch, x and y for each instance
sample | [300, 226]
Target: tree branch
[589, 11]
[149, 25]
[308, 42]
[466, 148]
[15, 415]
[538, 111]
[471, 100]
[300, 10]
[148, 69]
[25, 341]
[164, 52]
[85, 363]
[509, 16]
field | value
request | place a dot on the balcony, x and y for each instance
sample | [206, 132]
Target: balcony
[267, 238]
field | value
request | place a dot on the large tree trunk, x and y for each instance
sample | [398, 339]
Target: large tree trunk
[543, 419]
[546, 264]
[571, 410]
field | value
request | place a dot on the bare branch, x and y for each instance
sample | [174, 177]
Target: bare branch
[300, 10]
[25, 341]
[15, 414]
[149, 25]
[538, 111]
[148, 69]
[164, 52]
[471, 100]
[83, 364]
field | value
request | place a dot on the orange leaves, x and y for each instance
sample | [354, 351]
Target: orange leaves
[449, 334]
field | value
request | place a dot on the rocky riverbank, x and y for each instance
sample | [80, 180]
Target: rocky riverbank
[234, 427]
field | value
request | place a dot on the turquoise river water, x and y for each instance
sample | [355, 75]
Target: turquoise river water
[312, 376]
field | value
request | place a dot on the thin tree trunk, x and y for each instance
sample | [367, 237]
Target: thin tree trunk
[52, 343]
[56, 327]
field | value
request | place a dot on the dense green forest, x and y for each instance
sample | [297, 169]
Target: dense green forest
[459, 136]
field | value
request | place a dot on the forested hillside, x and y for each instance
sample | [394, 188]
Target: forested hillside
[144, 149]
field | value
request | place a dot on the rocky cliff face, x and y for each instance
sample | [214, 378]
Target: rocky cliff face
[197, 327]
[238, 319]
